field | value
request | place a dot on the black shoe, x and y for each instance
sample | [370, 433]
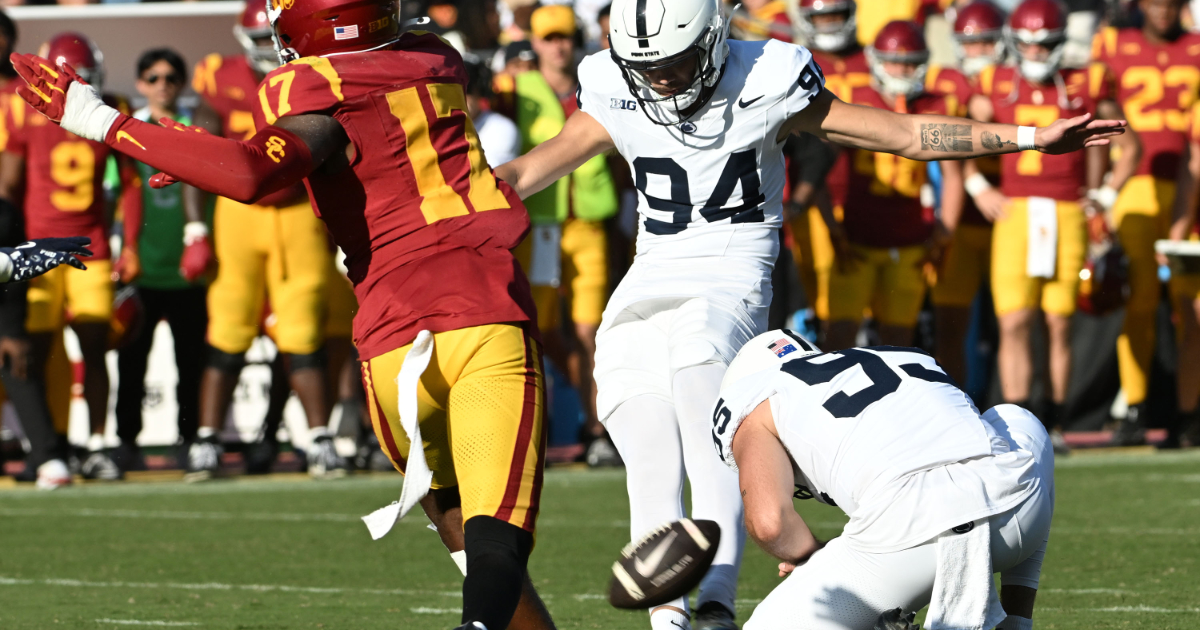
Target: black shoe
[204, 460]
[260, 456]
[713, 616]
[29, 475]
[128, 457]
[1132, 431]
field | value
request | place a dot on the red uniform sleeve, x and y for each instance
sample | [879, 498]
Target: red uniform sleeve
[304, 86]
[244, 171]
[16, 137]
[131, 202]
[1102, 85]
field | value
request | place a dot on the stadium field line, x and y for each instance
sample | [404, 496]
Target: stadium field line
[1087, 591]
[422, 610]
[139, 622]
[216, 586]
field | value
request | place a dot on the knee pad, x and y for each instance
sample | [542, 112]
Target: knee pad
[313, 361]
[497, 553]
[225, 362]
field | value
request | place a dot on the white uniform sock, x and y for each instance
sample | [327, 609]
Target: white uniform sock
[646, 435]
[715, 493]
[667, 619]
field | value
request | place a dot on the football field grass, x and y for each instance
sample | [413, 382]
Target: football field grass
[286, 552]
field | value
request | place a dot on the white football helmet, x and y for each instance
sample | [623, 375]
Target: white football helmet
[766, 352]
[652, 38]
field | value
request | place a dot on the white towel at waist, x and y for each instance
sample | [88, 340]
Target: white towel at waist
[1041, 256]
[964, 593]
[417, 476]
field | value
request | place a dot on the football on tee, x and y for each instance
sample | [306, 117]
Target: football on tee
[664, 565]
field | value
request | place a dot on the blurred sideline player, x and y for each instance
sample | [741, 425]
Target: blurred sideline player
[275, 245]
[1185, 297]
[828, 30]
[61, 176]
[888, 230]
[1040, 196]
[979, 42]
[374, 123]
[938, 500]
[1155, 75]
[701, 121]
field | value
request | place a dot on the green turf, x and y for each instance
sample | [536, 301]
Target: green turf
[292, 554]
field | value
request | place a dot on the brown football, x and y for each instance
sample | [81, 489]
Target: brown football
[664, 565]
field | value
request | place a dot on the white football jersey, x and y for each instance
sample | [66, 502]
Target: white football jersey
[713, 185]
[884, 434]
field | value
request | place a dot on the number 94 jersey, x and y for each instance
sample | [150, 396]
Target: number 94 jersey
[878, 432]
[426, 227]
[714, 184]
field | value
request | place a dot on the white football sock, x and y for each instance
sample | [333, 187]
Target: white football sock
[646, 435]
[715, 491]
[667, 619]
[95, 442]
[205, 432]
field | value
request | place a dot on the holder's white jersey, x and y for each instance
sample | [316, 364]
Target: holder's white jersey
[713, 185]
[884, 434]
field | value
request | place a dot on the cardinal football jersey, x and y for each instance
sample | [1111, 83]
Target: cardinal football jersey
[229, 85]
[425, 225]
[883, 204]
[1157, 86]
[951, 82]
[843, 75]
[877, 432]
[64, 177]
[1016, 101]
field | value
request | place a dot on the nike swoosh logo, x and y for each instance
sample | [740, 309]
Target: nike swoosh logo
[744, 103]
[647, 568]
[122, 135]
[676, 624]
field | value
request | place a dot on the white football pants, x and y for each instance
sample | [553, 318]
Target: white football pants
[841, 588]
[660, 443]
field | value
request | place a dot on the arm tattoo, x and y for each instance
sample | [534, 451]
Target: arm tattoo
[946, 137]
[992, 141]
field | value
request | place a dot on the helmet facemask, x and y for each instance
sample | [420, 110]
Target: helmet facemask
[264, 58]
[283, 53]
[973, 65]
[1037, 71]
[830, 39]
[704, 60]
[908, 87]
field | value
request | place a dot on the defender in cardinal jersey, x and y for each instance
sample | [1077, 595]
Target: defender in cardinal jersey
[884, 435]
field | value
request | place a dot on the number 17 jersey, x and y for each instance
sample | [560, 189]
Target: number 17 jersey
[426, 227]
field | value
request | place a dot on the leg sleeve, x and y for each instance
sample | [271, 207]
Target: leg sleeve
[1028, 572]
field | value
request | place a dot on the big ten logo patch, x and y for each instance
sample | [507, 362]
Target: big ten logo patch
[379, 24]
[275, 146]
[620, 103]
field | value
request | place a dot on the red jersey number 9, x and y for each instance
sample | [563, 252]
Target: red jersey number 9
[439, 199]
[73, 167]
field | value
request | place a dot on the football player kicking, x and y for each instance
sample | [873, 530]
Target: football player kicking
[706, 154]
[374, 122]
[937, 499]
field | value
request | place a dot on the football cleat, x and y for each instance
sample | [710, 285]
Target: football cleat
[53, 474]
[260, 456]
[324, 461]
[100, 466]
[602, 453]
[129, 457]
[1132, 430]
[713, 616]
[896, 620]
[203, 460]
[474, 625]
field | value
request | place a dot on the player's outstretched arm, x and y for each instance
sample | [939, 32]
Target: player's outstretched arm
[928, 137]
[276, 157]
[581, 139]
[767, 482]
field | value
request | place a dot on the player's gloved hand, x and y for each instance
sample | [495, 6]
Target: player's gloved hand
[60, 95]
[197, 252]
[162, 180]
[128, 267]
[1072, 134]
[34, 258]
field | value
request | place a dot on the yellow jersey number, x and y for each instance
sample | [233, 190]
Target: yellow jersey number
[73, 167]
[892, 174]
[1030, 162]
[1151, 84]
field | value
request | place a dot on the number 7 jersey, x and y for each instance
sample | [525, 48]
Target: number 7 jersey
[425, 225]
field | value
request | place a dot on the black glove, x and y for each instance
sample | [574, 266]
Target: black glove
[34, 258]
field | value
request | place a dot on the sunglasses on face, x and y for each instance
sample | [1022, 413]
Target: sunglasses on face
[153, 79]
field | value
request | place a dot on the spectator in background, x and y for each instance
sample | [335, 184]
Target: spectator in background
[164, 292]
[602, 19]
[498, 135]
